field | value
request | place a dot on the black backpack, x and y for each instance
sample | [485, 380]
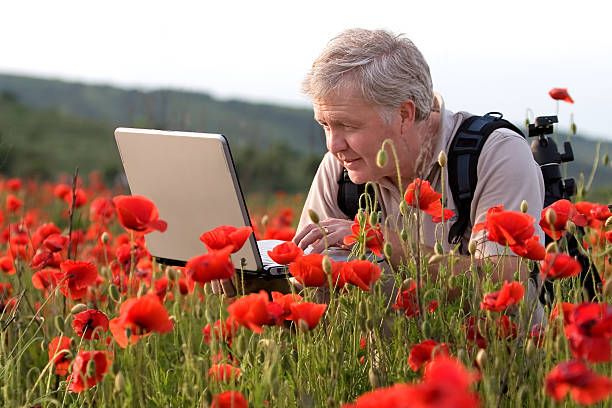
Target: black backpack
[462, 170]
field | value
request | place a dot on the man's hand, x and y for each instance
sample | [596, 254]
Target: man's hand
[335, 229]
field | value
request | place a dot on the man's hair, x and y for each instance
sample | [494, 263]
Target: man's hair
[386, 69]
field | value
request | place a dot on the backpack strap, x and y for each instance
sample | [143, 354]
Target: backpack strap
[463, 162]
[349, 194]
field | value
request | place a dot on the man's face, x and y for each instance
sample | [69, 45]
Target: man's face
[354, 133]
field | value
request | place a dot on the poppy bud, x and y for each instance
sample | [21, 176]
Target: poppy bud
[551, 216]
[481, 358]
[426, 328]
[303, 325]
[105, 238]
[78, 308]
[314, 217]
[374, 219]
[361, 217]
[607, 289]
[119, 382]
[404, 208]
[373, 377]
[381, 158]
[438, 248]
[406, 284]
[404, 235]
[436, 258]
[388, 250]
[609, 221]
[573, 128]
[114, 293]
[327, 265]
[606, 159]
[452, 281]
[472, 246]
[461, 355]
[91, 368]
[552, 247]
[527, 123]
[264, 220]
[59, 323]
[442, 158]
[524, 206]
[570, 227]
[370, 324]
[241, 344]
[530, 348]
[363, 308]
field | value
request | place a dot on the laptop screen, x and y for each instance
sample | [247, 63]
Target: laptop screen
[191, 179]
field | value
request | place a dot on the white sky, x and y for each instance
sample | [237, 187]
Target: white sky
[483, 55]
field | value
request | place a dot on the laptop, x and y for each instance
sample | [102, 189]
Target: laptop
[192, 180]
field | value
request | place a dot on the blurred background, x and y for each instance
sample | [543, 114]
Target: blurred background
[73, 71]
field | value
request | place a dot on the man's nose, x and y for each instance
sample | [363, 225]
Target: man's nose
[336, 141]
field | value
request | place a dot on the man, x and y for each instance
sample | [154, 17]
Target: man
[368, 86]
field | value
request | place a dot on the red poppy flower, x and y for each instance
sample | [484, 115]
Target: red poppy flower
[43, 232]
[568, 312]
[564, 212]
[507, 227]
[59, 351]
[102, 210]
[585, 386]
[530, 249]
[472, 332]
[510, 294]
[44, 258]
[560, 94]
[7, 264]
[308, 270]
[361, 273]
[396, 396]
[90, 323]
[221, 330]
[282, 234]
[75, 277]
[559, 265]
[590, 332]
[13, 184]
[55, 242]
[45, 280]
[225, 235]
[223, 372]
[80, 198]
[422, 353]
[601, 212]
[406, 300]
[254, 311]
[13, 204]
[285, 253]
[141, 315]
[83, 379]
[506, 328]
[431, 306]
[138, 213]
[584, 208]
[428, 200]
[229, 399]
[373, 235]
[215, 264]
[61, 190]
[285, 301]
[307, 312]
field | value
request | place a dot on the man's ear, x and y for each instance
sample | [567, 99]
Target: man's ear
[407, 114]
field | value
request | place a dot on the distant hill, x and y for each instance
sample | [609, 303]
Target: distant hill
[50, 126]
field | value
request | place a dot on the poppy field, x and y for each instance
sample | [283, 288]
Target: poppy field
[88, 318]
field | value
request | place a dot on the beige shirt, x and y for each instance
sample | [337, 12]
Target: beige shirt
[507, 174]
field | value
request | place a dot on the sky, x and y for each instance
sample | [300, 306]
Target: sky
[483, 55]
